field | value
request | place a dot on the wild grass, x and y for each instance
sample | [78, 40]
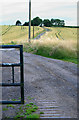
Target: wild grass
[59, 43]
[51, 46]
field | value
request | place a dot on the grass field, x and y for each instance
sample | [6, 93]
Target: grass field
[17, 33]
[59, 43]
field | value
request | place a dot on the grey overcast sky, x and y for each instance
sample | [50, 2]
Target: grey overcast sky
[13, 10]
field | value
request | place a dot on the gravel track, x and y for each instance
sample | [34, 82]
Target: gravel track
[45, 79]
[41, 34]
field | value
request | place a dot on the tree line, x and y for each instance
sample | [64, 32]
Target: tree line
[46, 22]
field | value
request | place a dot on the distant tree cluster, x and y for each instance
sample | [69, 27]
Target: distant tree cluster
[36, 21]
[46, 22]
[57, 22]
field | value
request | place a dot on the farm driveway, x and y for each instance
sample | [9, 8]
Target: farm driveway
[46, 80]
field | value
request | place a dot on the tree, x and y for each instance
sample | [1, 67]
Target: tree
[52, 21]
[26, 24]
[47, 23]
[62, 23]
[18, 23]
[36, 21]
[57, 22]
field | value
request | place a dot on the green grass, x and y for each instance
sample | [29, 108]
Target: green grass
[10, 105]
[24, 111]
[41, 112]
[31, 103]
[14, 99]
[4, 109]
[27, 111]
[18, 116]
[33, 116]
[61, 53]
[29, 97]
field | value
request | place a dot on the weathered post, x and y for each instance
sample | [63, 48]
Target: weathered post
[33, 29]
[29, 20]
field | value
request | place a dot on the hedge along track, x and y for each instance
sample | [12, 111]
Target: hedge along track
[7, 30]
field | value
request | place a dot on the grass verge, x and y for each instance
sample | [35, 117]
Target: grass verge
[51, 51]
[60, 52]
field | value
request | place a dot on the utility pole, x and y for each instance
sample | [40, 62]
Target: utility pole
[33, 29]
[29, 20]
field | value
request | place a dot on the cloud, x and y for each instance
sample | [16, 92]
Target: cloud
[11, 11]
[61, 10]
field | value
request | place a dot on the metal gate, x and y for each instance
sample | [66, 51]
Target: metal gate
[21, 83]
